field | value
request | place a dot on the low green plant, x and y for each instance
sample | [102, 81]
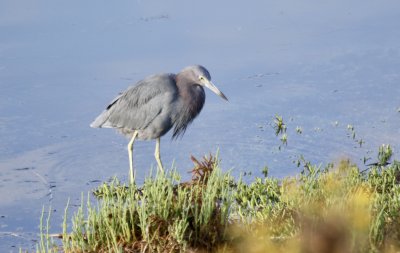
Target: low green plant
[336, 208]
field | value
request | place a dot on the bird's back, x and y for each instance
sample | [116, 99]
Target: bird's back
[139, 106]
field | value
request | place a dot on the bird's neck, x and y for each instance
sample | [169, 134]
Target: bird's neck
[191, 100]
[192, 95]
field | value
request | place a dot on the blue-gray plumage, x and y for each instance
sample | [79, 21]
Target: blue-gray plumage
[156, 104]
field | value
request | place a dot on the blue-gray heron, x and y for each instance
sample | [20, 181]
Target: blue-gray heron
[154, 105]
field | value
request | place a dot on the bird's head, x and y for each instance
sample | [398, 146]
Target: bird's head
[201, 76]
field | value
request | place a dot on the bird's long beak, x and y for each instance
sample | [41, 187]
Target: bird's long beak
[214, 89]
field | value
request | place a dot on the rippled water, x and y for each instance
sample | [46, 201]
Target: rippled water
[321, 66]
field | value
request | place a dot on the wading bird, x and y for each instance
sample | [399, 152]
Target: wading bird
[154, 105]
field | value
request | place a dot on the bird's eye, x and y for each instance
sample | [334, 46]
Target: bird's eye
[201, 78]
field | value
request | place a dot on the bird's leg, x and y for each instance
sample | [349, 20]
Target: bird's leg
[157, 155]
[130, 151]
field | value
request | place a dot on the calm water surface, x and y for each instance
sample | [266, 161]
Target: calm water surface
[322, 66]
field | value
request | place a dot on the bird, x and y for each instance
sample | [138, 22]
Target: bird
[155, 105]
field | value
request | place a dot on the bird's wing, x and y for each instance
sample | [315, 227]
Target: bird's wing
[137, 107]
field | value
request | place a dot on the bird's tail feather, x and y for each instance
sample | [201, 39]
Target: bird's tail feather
[101, 120]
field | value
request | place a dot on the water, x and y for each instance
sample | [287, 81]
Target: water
[322, 66]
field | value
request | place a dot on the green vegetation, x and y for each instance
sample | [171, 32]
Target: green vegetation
[334, 209]
[280, 129]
